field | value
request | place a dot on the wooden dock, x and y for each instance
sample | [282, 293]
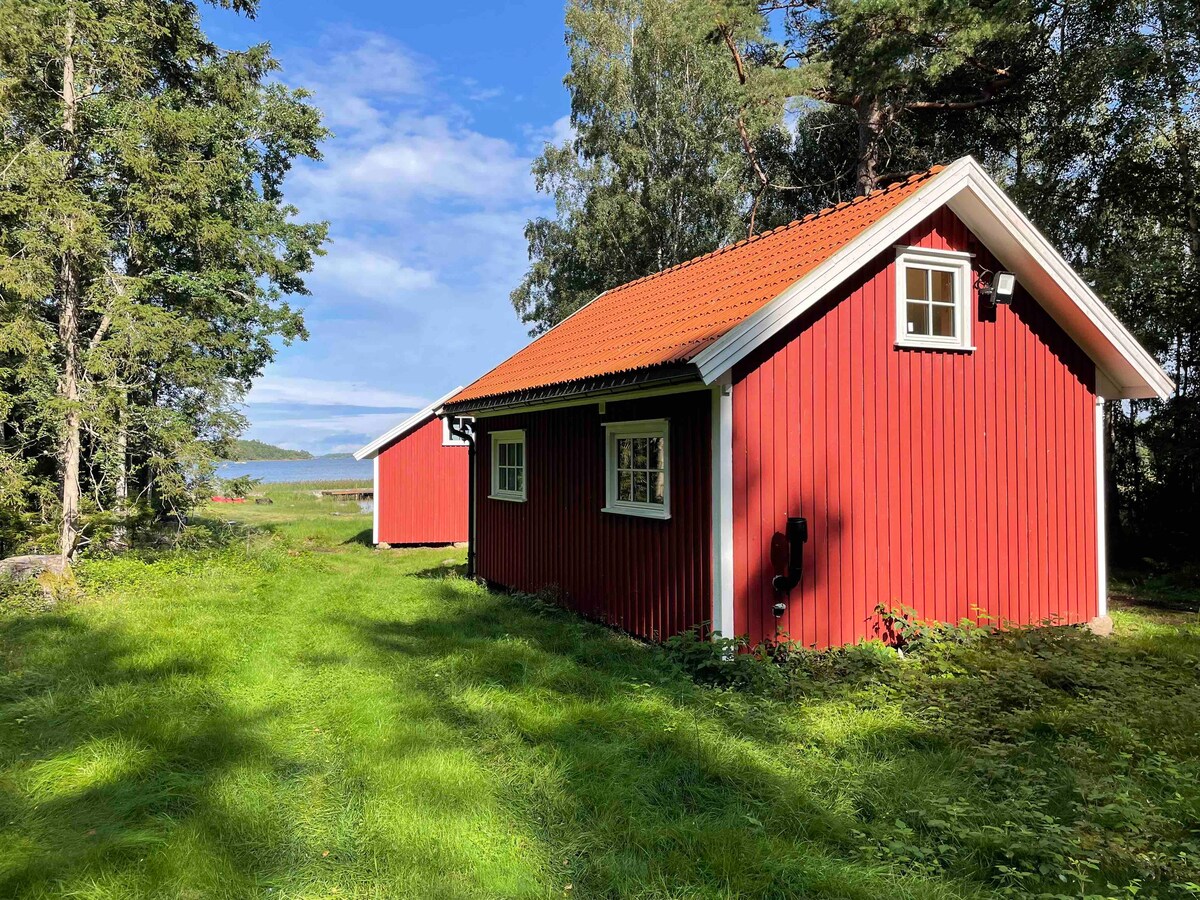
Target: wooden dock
[347, 494]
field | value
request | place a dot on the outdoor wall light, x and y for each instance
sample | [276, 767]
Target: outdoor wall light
[1000, 291]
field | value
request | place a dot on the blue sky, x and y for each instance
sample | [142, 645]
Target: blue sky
[438, 111]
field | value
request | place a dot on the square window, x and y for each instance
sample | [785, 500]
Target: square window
[508, 465]
[933, 299]
[638, 463]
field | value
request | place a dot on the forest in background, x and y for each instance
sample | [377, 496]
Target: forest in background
[148, 254]
[698, 122]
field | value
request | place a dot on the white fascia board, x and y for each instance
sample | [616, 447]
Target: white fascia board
[1014, 241]
[741, 340]
[968, 190]
[373, 449]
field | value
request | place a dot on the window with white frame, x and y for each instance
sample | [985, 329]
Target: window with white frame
[933, 292]
[508, 465]
[463, 423]
[638, 468]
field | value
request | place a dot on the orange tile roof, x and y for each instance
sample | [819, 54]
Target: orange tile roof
[671, 316]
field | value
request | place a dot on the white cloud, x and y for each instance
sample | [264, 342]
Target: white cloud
[318, 392]
[559, 133]
[353, 268]
[418, 157]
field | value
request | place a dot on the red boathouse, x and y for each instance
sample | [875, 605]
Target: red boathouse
[421, 474]
[916, 375]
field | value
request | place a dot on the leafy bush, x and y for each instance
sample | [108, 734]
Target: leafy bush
[1076, 785]
[239, 487]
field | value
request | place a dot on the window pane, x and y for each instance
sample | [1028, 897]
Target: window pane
[943, 287]
[641, 493]
[918, 318]
[657, 485]
[518, 479]
[518, 454]
[640, 451]
[917, 281]
[624, 485]
[624, 453]
[656, 453]
[943, 321]
[505, 479]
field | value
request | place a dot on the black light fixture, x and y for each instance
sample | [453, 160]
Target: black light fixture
[1000, 291]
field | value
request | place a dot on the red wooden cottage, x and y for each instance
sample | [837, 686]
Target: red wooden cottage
[917, 373]
[421, 477]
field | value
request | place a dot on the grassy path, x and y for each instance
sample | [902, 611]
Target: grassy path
[300, 716]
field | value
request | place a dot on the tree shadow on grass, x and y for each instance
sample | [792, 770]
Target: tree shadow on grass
[363, 537]
[130, 769]
[645, 782]
[108, 756]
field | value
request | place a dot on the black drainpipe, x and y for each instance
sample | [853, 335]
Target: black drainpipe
[465, 432]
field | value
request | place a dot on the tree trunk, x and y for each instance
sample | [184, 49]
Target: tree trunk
[872, 119]
[68, 323]
[121, 531]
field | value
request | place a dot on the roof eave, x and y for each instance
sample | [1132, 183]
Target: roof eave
[599, 387]
[373, 449]
[968, 190]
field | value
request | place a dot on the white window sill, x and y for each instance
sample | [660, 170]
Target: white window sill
[645, 512]
[921, 345]
[511, 498]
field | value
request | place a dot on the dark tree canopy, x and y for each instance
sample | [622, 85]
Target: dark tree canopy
[698, 121]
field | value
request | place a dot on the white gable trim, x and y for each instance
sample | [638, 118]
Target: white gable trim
[995, 220]
[373, 449]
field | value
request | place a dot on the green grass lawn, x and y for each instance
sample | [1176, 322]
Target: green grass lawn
[297, 715]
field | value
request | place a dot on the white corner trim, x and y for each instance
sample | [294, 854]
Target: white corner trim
[962, 178]
[722, 508]
[375, 503]
[417, 418]
[1101, 519]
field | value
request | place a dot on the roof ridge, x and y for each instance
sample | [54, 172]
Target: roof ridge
[725, 248]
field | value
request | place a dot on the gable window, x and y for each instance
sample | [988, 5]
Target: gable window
[508, 465]
[638, 468]
[463, 423]
[933, 308]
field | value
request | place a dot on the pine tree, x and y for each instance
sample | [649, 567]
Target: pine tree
[146, 250]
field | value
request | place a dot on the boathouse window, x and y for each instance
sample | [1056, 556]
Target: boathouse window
[449, 438]
[508, 465]
[638, 468]
[933, 299]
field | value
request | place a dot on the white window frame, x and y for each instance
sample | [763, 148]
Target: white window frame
[452, 440]
[954, 262]
[655, 428]
[515, 436]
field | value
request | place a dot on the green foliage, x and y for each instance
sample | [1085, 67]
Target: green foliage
[240, 487]
[241, 450]
[655, 173]
[146, 249]
[284, 711]
[1061, 730]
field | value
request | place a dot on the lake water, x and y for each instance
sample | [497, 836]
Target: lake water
[276, 471]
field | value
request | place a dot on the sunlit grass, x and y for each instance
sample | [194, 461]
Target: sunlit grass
[300, 716]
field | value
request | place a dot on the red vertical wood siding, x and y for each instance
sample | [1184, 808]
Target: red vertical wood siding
[650, 577]
[422, 491]
[959, 484]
